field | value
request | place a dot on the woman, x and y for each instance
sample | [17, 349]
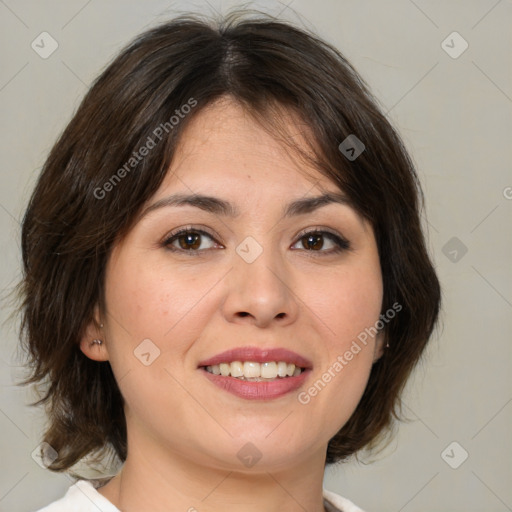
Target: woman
[225, 278]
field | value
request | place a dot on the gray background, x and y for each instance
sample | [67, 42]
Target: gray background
[455, 115]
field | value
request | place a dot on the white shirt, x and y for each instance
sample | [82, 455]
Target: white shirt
[83, 497]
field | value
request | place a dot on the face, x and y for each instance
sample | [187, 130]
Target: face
[192, 281]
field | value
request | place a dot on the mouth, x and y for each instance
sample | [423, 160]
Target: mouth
[253, 373]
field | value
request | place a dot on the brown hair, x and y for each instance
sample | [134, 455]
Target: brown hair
[84, 202]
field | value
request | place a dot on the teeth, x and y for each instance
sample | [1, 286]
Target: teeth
[268, 370]
[225, 369]
[215, 369]
[237, 369]
[282, 369]
[250, 370]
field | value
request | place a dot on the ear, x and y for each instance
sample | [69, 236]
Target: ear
[94, 331]
[380, 341]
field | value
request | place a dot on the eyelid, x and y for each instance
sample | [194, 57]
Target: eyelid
[319, 229]
[190, 228]
[337, 237]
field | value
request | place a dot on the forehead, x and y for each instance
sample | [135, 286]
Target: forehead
[225, 145]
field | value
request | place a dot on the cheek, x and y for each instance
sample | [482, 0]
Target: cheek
[349, 303]
[150, 313]
[153, 301]
[147, 299]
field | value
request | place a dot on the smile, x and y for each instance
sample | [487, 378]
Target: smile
[254, 371]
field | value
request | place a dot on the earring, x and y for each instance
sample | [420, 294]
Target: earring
[98, 342]
[387, 344]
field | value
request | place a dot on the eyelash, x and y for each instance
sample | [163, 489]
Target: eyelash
[341, 244]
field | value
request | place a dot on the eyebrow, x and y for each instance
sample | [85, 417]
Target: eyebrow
[219, 206]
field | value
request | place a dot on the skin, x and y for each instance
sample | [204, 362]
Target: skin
[184, 433]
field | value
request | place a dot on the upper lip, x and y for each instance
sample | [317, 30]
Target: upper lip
[258, 355]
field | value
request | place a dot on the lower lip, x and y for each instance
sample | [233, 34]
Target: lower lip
[252, 390]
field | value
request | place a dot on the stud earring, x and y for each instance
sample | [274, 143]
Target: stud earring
[98, 342]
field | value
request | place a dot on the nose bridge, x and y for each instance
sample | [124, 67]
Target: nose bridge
[259, 285]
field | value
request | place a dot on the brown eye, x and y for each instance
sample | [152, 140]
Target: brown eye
[313, 241]
[323, 242]
[190, 241]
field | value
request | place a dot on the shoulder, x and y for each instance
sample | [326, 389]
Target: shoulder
[81, 497]
[339, 503]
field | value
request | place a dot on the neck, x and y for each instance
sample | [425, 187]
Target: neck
[156, 482]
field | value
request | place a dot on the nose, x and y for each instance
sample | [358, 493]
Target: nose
[262, 292]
